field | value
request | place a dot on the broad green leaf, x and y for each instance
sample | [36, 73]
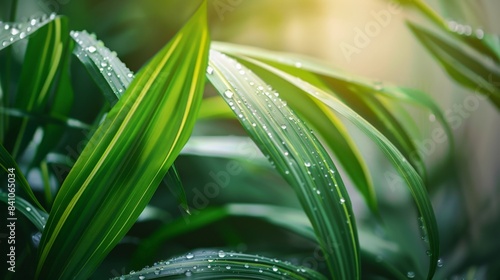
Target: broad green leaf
[223, 265]
[299, 157]
[410, 176]
[42, 60]
[11, 32]
[127, 157]
[6, 162]
[464, 68]
[113, 78]
[35, 215]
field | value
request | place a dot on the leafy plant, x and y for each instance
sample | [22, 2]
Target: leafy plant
[81, 212]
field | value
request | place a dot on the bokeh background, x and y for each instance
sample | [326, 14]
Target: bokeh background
[465, 187]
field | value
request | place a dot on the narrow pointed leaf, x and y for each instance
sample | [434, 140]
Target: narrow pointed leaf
[60, 107]
[127, 157]
[11, 32]
[42, 60]
[113, 77]
[298, 156]
[410, 176]
[331, 129]
[460, 65]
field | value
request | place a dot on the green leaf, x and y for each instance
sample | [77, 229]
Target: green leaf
[60, 107]
[42, 60]
[213, 108]
[463, 67]
[113, 78]
[223, 265]
[6, 162]
[127, 157]
[35, 215]
[372, 247]
[298, 156]
[108, 71]
[329, 126]
[11, 32]
[46, 119]
[410, 176]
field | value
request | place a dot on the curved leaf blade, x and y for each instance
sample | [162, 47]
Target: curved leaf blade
[299, 158]
[223, 265]
[11, 32]
[42, 60]
[410, 176]
[462, 67]
[127, 157]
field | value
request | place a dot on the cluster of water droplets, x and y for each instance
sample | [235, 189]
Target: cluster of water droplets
[92, 51]
[213, 262]
[13, 32]
[466, 30]
[268, 118]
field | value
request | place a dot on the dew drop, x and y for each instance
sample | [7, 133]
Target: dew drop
[104, 64]
[318, 192]
[428, 253]
[130, 75]
[410, 274]
[283, 126]
[260, 270]
[210, 70]
[157, 272]
[34, 22]
[298, 64]
[188, 273]
[132, 272]
[228, 267]
[286, 153]
[479, 34]
[307, 164]
[14, 31]
[142, 277]
[28, 209]
[247, 266]
[440, 263]
[275, 269]
[228, 94]
[91, 49]
[189, 256]
[221, 254]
